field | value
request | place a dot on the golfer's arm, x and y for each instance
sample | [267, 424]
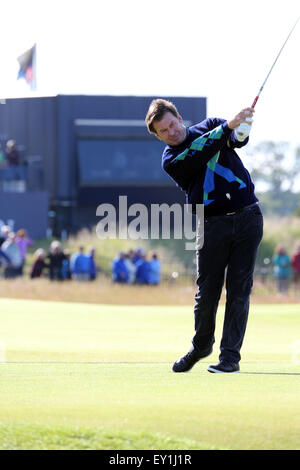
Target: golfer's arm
[203, 148]
[183, 167]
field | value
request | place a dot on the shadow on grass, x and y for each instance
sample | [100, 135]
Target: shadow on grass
[131, 363]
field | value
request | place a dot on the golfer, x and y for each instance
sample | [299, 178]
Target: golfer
[202, 161]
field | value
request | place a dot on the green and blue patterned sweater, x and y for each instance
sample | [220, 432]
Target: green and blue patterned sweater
[206, 166]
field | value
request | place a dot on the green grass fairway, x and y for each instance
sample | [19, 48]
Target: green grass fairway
[84, 376]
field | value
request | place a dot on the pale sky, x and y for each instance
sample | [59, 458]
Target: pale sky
[221, 50]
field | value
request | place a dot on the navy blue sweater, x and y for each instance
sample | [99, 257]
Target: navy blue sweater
[206, 166]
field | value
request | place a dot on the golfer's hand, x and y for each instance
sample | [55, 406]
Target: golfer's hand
[245, 115]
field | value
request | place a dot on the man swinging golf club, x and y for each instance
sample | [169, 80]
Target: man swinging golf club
[202, 161]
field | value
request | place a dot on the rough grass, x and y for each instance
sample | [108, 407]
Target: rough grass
[104, 291]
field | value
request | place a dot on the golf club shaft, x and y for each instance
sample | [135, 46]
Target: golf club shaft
[261, 88]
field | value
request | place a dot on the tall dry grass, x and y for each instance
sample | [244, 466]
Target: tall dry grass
[104, 291]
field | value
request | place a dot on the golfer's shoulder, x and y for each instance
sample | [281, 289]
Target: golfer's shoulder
[206, 125]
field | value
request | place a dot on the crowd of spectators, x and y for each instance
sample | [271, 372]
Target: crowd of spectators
[13, 251]
[55, 263]
[58, 264]
[134, 267]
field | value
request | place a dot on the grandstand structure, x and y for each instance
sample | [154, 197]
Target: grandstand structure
[80, 151]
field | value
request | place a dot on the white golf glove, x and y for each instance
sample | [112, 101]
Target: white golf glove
[243, 130]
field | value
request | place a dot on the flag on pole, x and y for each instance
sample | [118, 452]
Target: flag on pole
[27, 70]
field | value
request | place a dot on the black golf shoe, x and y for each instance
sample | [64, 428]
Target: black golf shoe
[185, 363]
[224, 367]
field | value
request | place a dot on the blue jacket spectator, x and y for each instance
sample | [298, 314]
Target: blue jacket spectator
[79, 265]
[137, 255]
[143, 270]
[155, 269]
[131, 267]
[119, 269]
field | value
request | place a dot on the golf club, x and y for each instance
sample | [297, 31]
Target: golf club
[240, 130]
[261, 88]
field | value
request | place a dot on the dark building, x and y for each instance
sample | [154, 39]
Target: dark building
[82, 151]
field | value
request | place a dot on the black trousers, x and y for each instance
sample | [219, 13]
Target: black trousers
[229, 248]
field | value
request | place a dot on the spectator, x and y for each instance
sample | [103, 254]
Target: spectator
[119, 269]
[295, 261]
[137, 255]
[5, 257]
[282, 269]
[143, 269]
[155, 269]
[23, 241]
[56, 257]
[5, 230]
[79, 265]
[39, 264]
[131, 267]
[264, 270]
[14, 171]
[12, 154]
[92, 267]
[65, 269]
[12, 251]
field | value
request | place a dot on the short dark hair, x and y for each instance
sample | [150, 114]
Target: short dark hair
[156, 112]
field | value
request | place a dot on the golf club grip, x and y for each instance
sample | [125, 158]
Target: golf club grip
[254, 102]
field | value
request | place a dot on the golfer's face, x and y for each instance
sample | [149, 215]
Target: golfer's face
[170, 129]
